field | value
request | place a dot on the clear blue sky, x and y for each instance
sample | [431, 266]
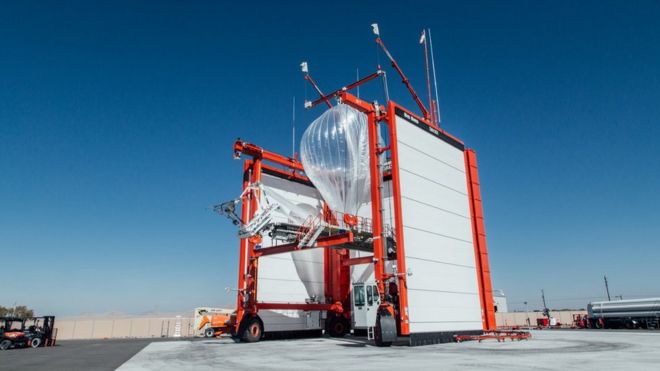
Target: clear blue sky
[117, 120]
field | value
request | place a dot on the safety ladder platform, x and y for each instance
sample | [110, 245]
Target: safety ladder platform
[294, 233]
[312, 229]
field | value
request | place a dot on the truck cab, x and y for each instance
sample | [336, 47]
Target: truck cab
[365, 301]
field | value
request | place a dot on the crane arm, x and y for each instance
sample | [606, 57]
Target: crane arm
[425, 112]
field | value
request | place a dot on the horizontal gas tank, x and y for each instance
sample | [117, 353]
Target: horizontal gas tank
[625, 308]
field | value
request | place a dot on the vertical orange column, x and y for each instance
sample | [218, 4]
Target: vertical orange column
[253, 262]
[341, 276]
[402, 286]
[332, 266]
[327, 276]
[479, 237]
[242, 268]
[333, 272]
[376, 216]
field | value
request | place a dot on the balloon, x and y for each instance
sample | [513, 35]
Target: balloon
[309, 263]
[335, 154]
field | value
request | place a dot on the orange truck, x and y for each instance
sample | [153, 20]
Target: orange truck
[214, 322]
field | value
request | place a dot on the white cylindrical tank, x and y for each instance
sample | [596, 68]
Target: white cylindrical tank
[625, 308]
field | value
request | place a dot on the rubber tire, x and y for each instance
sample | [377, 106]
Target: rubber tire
[338, 327]
[598, 324]
[209, 332]
[377, 332]
[253, 330]
[35, 343]
[5, 344]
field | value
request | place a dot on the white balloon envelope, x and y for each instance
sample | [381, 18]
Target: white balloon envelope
[335, 154]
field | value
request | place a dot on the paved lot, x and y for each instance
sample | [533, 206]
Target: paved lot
[548, 350]
[72, 355]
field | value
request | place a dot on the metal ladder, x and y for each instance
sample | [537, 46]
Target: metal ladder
[313, 232]
[370, 333]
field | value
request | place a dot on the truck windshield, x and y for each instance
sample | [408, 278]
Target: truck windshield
[358, 295]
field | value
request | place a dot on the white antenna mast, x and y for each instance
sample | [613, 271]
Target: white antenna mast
[435, 80]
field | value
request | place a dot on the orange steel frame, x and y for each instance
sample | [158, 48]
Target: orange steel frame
[476, 216]
[479, 238]
[247, 303]
[337, 263]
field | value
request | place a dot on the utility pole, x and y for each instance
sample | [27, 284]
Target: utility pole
[607, 288]
[543, 298]
[529, 323]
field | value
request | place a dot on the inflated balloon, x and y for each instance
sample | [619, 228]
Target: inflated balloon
[335, 154]
[309, 263]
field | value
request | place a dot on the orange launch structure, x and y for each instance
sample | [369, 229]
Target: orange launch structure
[407, 260]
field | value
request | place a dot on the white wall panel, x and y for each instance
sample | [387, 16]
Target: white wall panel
[436, 221]
[428, 144]
[456, 311]
[418, 188]
[442, 290]
[421, 164]
[446, 277]
[449, 250]
[278, 280]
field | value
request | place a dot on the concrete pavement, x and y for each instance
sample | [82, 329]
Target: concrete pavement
[547, 350]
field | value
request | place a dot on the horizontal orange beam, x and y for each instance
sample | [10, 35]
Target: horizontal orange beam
[258, 152]
[326, 241]
[326, 98]
[290, 174]
[354, 261]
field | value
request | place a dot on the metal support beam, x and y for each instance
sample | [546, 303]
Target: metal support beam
[479, 237]
[401, 273]
[373, 119]
[405, 80]
[326, 241]
[336, 307]
[290, 174]
[355, 261]
[376, 204]
[260, 153]
[336, 93]
[318, 90]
